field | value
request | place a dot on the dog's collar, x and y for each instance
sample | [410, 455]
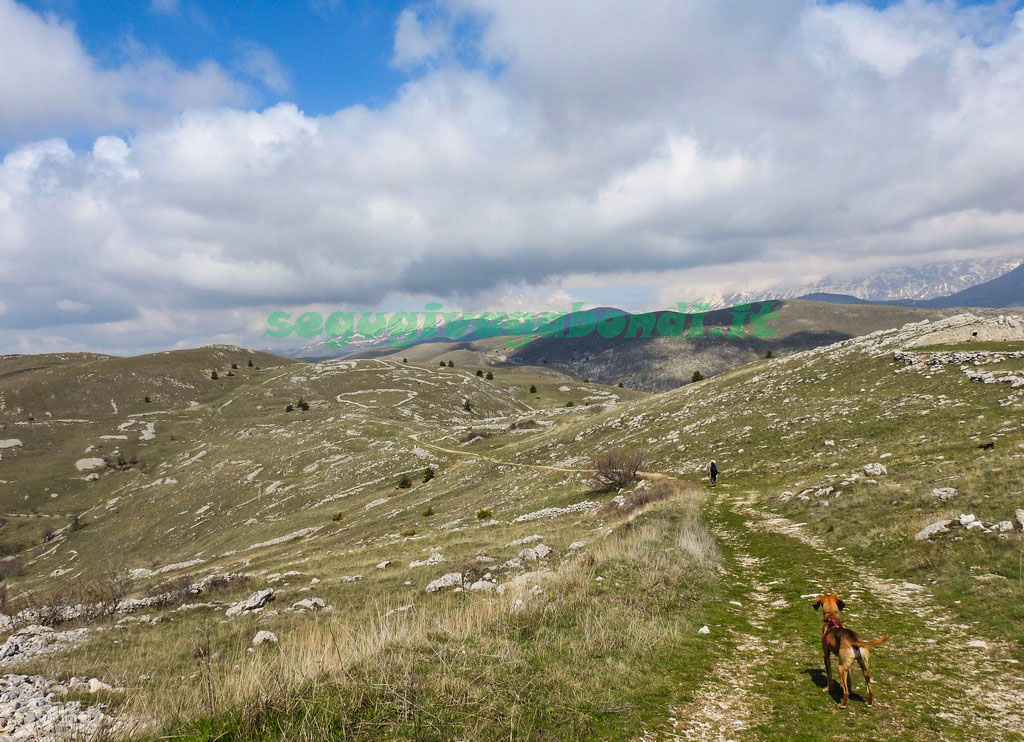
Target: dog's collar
[832, 622]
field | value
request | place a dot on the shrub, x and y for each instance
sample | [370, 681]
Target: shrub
[769, 355]
[659, 491]
[234, 366]
[621, 385]
[428, 474]
[49, 534]
[443, 364]
[409, 532]
[250, 363]
[75, 523]
[467, 406]
[231, 373]
[490, 376]
[302, 405]
[404, 483]
[405, 360]
[483, 514]
[214, 376]
[616, 468]
[697, 376]
[428, 512]
[289, 408]
[451, 364]
[533, 388]
[570, 403]
[337, 517]
[148, 400]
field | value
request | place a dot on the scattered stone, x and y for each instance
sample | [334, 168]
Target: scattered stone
[482, 586]
[534, 554]
[254, 602]
[577, 545]
[90, 463]
[941, 526]
[383, 565]
[944, 493]
[1018, 517]
[703, 630]
[875, 470]
[1003, 526]
[580, 507]
[450, 580]
[966, 519]
[309, 604]
[786, 496]
[350, 578]
[525, 540]
[264, 637]
[435, 558]
[96, 685]
[10, 443]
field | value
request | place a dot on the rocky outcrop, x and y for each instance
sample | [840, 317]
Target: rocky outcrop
[254, 602]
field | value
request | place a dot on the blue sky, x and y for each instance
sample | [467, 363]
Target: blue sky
[171, 171]
[336, 53]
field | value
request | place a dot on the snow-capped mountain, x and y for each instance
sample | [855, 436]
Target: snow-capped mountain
[893, 284]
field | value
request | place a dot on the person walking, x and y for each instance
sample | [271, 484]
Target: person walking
[713, 471]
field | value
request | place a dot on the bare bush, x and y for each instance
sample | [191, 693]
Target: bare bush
[659, 491]
[616, 468]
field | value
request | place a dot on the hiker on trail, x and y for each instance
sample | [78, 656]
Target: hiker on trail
[713, 471]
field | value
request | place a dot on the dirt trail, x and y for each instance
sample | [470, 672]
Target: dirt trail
[540, 467]
[934, 680]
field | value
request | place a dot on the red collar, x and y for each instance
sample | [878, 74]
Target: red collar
[832, 622]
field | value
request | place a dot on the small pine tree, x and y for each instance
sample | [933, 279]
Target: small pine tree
[428, 512]
[490, 376]
[289, 408]
[570, 403]
[148, 400]
[483, 514]
[303, 405]
[214, 376]
[428, 474]
[337, 517]
[697, 376]
[621, 385]
[250, 363]
[74, 523]
[443, 364]
[586, 381]
[467, 406]
[405, 360]
[769, 355]
[451, 364]
[533, 388]
[479, 372]
[234, 366]
[404, 483]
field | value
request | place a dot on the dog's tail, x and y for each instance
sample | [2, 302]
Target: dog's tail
[873, 643]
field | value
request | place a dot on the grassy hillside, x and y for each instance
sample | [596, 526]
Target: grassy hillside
[597, 638]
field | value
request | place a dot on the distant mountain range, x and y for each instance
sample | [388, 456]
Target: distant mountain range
[908, 283]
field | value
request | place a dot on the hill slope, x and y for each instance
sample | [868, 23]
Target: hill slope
[307, 504]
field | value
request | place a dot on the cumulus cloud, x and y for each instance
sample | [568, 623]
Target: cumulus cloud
[711, 144]
[51, 85]
[259, 62]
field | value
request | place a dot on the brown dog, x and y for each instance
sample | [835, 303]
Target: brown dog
[838, 640]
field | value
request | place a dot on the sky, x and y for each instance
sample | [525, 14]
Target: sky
[172, 171]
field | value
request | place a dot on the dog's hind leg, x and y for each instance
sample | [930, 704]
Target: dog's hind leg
[828, 671]
[844, 680]
[862, 660]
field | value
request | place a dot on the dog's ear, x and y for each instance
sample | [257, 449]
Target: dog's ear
[817, 604]
[841, 604]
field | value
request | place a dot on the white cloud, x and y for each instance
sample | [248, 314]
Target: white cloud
[51, 85]
[164, 7]
[256, 60]
[416, 40]
[674, 146]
